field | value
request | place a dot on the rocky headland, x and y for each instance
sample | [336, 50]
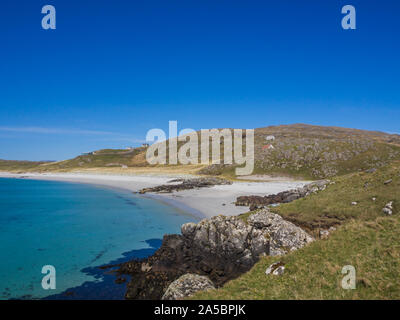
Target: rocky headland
[220, 248]
[186, 184]
[257, 202]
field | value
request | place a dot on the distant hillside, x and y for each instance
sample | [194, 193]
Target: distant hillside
[320, 152]
[298, 150]
[105, 158]
[13, 165]
[315, 152]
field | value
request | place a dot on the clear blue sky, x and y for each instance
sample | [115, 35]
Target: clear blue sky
[112, 70]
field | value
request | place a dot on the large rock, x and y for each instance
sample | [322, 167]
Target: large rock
[255, 202]
[283, 235]
[186, 184]
[221, 248]
[227, 237]
[186, 286]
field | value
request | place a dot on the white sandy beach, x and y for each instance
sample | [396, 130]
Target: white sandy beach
[206, 202]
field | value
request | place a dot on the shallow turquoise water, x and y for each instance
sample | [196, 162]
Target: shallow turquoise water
[72, 227]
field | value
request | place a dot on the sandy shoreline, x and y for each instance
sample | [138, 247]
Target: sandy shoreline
[204, 202]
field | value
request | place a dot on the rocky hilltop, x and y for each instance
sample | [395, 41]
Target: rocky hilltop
[297, 150]
[316, 152]
[220, 248]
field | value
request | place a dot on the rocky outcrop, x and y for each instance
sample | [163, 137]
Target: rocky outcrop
[229, 238]
[186, 286]
[283, 235]
[256, 202]
[186, 184]
[220, 248]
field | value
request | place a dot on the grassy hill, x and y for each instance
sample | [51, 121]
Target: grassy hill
[365, 238]
[334, 206]
[105, 158]
[315, 152]
[314, 272]
[12, 165]
[300, 151]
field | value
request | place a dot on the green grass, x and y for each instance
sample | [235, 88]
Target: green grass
[245, 215]
[333, 206]
[273, 163]
[314, 272]
[98, 159]
[313, 152]
[365, 238]
[11, 165]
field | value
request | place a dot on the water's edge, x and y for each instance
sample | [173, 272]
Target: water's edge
[106, 285]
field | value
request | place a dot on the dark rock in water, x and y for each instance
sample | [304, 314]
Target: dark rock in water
[257, 202]
[221, 248]
[176, 257]
[120, 280]
[186, 184]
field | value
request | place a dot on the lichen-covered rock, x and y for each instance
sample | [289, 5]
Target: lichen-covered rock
[276, 269]
[186, 286]
[188, 228]
[266, 233]
[283, 235]
[221, 248]
[279, 271]
[227, 237]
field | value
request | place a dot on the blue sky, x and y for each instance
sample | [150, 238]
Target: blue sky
[112, 70]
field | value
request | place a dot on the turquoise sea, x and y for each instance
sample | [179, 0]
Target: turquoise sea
[75, 228]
